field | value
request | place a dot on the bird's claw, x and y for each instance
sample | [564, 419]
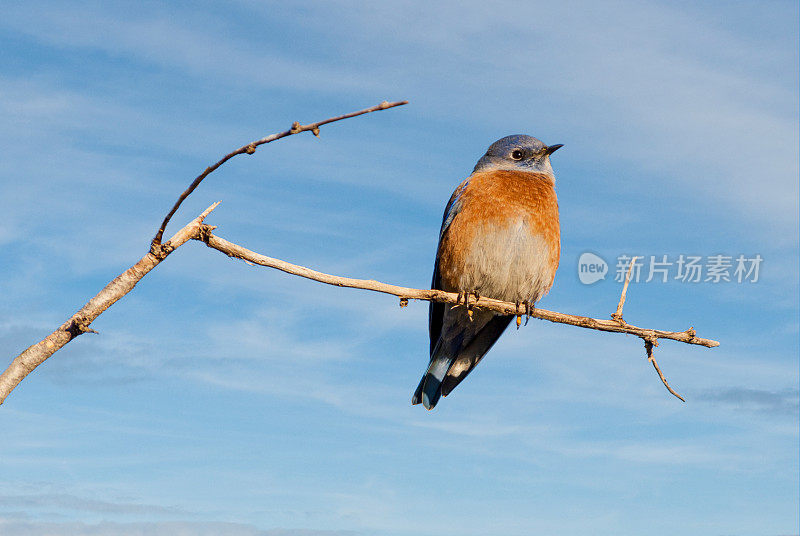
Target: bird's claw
[470, 306]
[464, 295]
[529, 308]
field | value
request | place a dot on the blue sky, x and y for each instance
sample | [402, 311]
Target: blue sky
[224, 399]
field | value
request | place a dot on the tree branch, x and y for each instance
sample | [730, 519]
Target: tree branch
[250, 148]
[405, 293]
[649, 343]
[78, 324]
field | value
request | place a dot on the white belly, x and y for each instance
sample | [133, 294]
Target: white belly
[508, 263]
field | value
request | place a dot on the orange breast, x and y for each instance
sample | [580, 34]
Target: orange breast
[495, 208]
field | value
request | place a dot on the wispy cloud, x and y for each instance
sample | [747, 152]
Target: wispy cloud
[783, 402]
[153, 37]
[56, 501]
[165, 528]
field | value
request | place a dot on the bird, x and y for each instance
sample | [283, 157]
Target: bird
[500, 238]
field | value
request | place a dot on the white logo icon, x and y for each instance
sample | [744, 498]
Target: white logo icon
[591, 268]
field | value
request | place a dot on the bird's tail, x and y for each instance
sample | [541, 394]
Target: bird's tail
[452, 361]
[429, 389]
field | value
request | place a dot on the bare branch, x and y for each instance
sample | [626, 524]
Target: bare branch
[406, 293]
[77, 324]
[250, 148]
[618, 314]
[648, 346]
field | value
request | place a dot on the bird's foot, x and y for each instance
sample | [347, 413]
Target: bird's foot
[469, 307]
[529, 308]
[464, 295]
[517, 307]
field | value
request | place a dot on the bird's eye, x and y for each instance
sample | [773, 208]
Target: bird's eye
[517, 154]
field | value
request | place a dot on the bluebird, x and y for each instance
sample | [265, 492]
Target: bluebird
[500, 238]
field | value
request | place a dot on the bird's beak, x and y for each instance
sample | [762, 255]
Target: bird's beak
[553, 148]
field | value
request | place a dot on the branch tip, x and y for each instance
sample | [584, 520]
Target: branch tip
[648, 346]
[618, 314]
[207, 211]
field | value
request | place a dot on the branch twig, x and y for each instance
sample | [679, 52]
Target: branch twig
[648, 346]
[649, 342]
[250, 148]
[618, 314]
[406, 293]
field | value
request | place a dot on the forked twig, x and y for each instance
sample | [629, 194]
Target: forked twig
[649, 342]
[77, 324]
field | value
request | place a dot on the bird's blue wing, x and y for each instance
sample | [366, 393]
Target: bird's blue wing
[436, 309]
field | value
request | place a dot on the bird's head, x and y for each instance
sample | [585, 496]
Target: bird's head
[518, 153]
